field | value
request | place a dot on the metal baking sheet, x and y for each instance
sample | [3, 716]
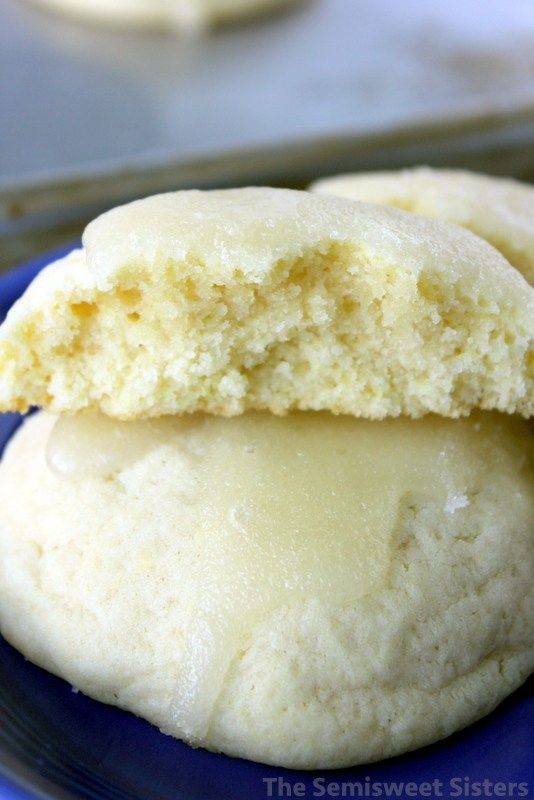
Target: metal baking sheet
[40, 214]
[74, 96]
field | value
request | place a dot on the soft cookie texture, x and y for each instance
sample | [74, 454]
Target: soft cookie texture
[272, 300]
[165, 14]
[105, 582]
[500, 210]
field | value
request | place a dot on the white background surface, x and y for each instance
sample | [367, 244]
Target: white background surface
[73, 95]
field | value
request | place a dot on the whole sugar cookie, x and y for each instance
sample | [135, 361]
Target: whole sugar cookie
[162, 14]
[309, 591]
[271, 299]
[500, 210]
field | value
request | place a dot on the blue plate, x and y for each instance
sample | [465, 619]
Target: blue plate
[55, 743]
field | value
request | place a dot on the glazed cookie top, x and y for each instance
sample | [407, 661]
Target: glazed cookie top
[271, 299]
[309, 591]
[500, 210]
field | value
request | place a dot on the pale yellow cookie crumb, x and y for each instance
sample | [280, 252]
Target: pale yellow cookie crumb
[271, 299]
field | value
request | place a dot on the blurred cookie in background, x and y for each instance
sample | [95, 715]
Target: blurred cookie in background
[162, 14]
[498, 210]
